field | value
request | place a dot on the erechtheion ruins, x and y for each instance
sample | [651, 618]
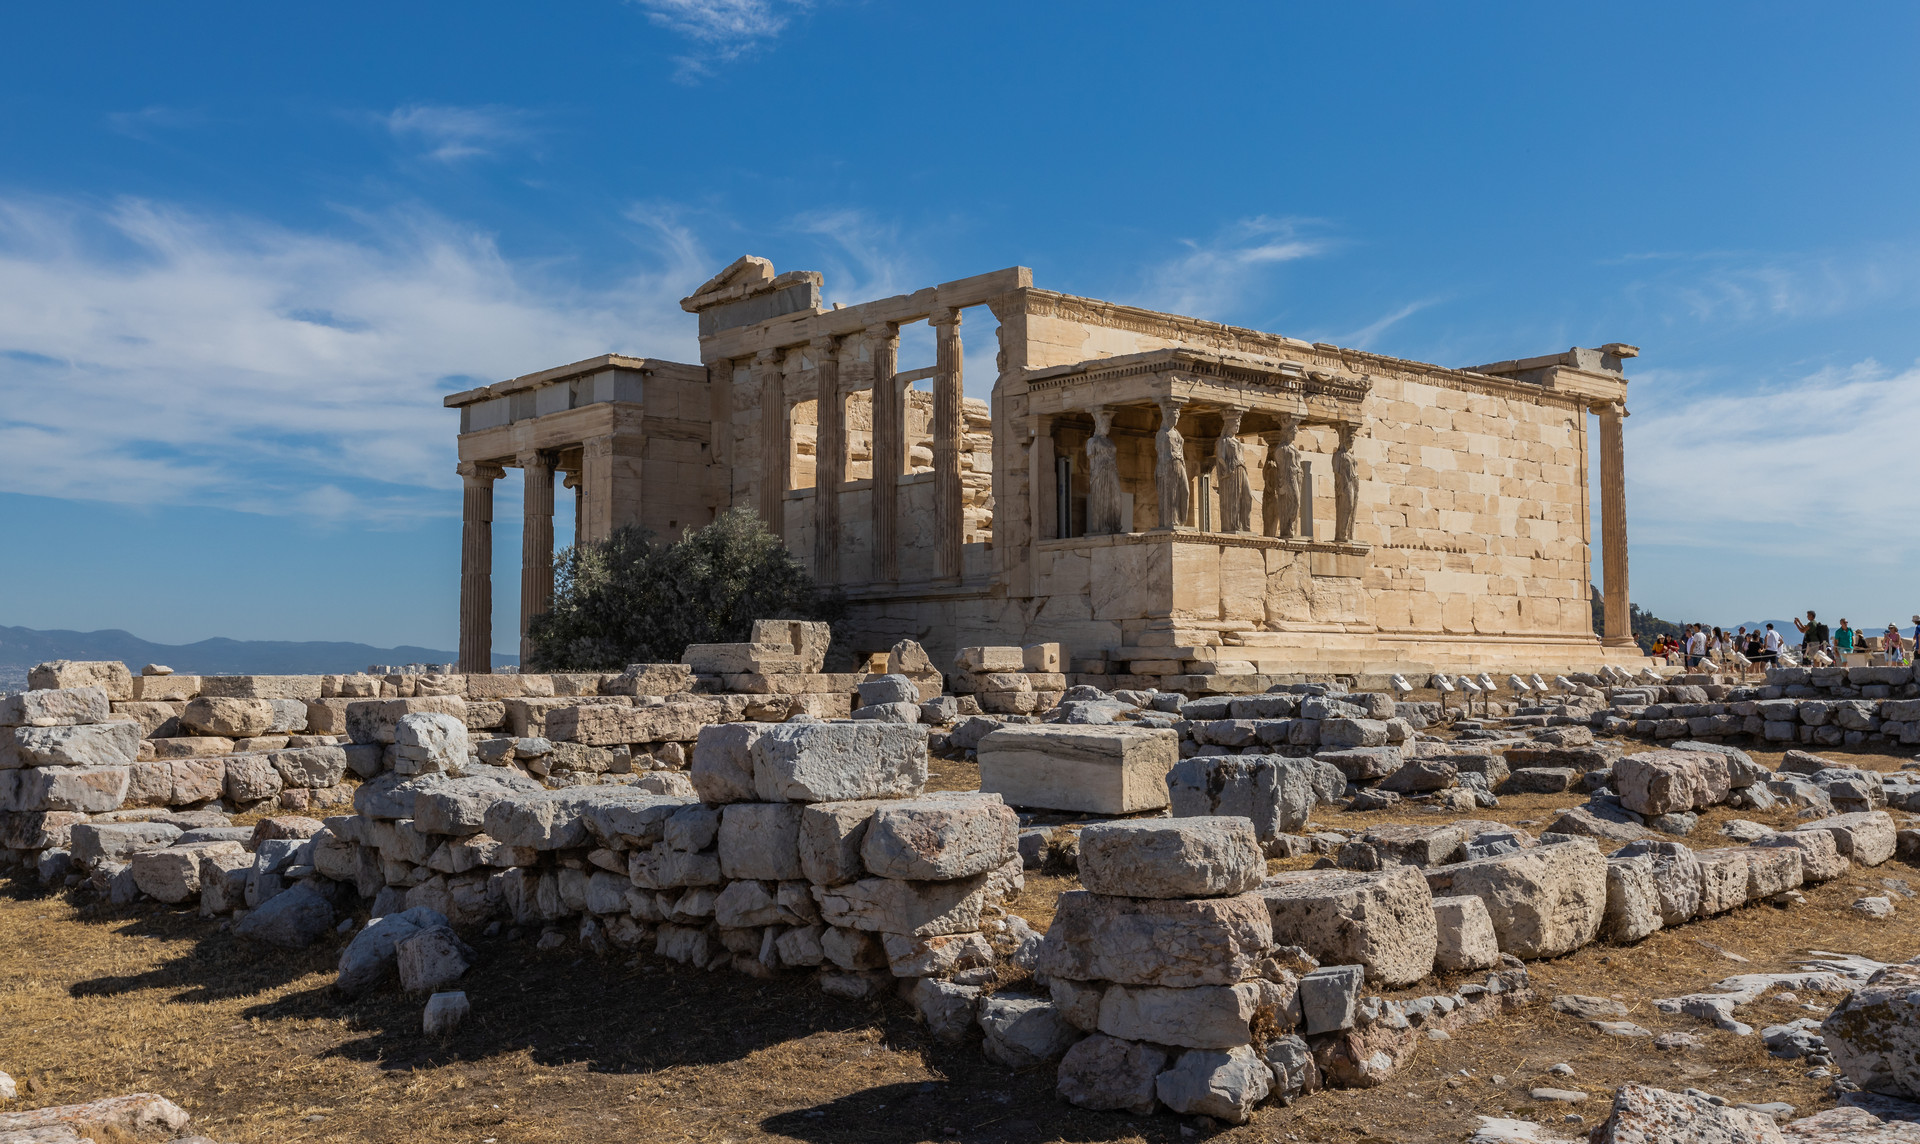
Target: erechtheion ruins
[1174, 501]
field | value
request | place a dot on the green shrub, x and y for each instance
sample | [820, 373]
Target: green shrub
[631, 599]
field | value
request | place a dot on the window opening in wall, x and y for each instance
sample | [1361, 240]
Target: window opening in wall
[805, 435]
[1206, 503]
[1063, 497]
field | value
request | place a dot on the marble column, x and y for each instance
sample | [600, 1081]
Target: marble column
[1280, 504]
[1170, 466]
[889, 449]
[829, 459]
[1613, 524]
[1346, 487]
[1230, 474]
[536, 543]
[476, 566]
[1103, 477]
[775, 450]
[949, 428]
[573, 481]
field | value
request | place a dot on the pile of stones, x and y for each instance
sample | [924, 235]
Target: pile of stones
[1821, 706]
[1009, 680]
[1167, 960]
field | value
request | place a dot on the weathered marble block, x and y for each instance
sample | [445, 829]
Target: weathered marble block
[1100, 770]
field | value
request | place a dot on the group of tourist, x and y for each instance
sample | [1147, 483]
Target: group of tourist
[1699, 644]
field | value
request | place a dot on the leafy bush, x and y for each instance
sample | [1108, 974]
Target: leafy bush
[631, 599]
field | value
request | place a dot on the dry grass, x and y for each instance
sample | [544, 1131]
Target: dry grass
[562, 1047]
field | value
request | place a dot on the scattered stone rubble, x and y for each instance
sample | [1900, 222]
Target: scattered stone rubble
[705, 811]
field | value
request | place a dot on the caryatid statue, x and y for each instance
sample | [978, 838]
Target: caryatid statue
[1103, 478]
[1230, 475]
[1170, 465]
[1280, 507]
[1346, 487]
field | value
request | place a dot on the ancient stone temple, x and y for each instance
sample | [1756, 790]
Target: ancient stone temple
[1165, 497]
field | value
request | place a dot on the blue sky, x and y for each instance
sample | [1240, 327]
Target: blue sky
[244, 250]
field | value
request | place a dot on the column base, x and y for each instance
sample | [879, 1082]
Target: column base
[1619, 641]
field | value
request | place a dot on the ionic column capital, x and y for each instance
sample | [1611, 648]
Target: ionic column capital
[536, 459]
[480, 472]
[944, 316]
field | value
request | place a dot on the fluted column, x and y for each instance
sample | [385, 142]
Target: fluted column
[536, 544]
[829, 459]
[476, 566]
[889, 449]
[949, 427]
[1613, 523]
[774, 447]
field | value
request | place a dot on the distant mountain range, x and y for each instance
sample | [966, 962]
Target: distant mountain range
[21, 648]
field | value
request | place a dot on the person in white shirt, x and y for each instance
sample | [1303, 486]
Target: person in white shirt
[1696, 647]
[1771, 643]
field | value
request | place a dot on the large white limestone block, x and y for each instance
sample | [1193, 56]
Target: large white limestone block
[1096, 769]
[1172, 858]
[113, 744]
[1143, 941]
[1662, 782]
[1203, 1017]
[1544, 900]
[1380, 919]
[940, 837]
[833, 762]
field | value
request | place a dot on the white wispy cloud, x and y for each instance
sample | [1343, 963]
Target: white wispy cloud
[449, 134]
[721, 30]
[1727, 287]
[152, 355]
[1365, 337]
[1215, 276]
[149, 123]
[1764, 470]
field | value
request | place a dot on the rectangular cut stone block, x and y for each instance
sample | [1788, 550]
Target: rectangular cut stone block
[1633, 900]
[113, 744]
[1820, 857]
[1465, 935]
[1723, 880]
[834, 762]
[1416, 845]
[830, 837]
[1772, 870]
[54, 707]
[1544, 901]
[650, 679]
[155, 719]
[165, 688]
[1101, 770]
[722, 769]
[607, 725]
[1276, 794]
[940, 837]
[375, 720]
[1171, 942]
[760, 840]
[507, 686]
[916, 909]
[1868, 837]
[1203, 1017]
[1661, 782]
[261, 686]
[110, 676]
[87, 790]
[554, 819]
[742, 658]
[1676, 877]
[1380, 919]
[1171, 858]
[96, 843]
[984, 659]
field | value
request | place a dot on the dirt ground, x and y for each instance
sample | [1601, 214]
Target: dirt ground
[562, 1047]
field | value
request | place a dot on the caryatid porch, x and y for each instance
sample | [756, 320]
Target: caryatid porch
[1190, 479]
